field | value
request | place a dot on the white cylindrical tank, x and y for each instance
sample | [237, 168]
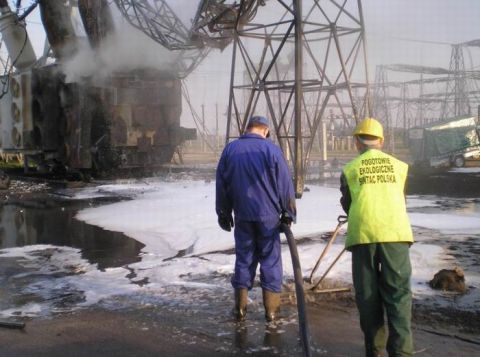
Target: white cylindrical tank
[15, 37]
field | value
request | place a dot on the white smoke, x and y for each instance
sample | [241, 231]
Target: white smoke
[126, 49]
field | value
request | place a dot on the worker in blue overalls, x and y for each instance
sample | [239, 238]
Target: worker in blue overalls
[254, 182]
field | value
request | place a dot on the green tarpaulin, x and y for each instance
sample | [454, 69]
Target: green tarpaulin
[443, 138]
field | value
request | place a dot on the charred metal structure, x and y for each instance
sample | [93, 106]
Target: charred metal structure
[127, 118]
[297, 58]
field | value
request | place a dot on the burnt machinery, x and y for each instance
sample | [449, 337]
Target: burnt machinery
[127, 117]
[297, 58]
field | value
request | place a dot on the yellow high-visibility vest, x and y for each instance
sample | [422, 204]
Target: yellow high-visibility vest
[378, 211]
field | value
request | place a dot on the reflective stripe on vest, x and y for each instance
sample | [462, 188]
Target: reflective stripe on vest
[378, 211]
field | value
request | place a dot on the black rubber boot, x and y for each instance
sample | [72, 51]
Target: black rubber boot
[240, 309]
[271, 302]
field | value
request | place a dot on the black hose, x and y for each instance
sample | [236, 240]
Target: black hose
[12, 324]
[297, 273]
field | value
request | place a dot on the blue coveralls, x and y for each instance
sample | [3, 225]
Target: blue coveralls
[254, 181]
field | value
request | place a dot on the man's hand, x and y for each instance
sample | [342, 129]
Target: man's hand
[286, 219]
[225, 221]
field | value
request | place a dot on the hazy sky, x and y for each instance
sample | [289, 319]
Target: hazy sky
[391, 25]
[387, 21]
[448, 21]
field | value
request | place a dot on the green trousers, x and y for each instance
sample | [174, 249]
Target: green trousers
[381, 277]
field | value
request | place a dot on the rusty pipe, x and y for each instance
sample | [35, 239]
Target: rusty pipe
[97, 20]
[56, 19]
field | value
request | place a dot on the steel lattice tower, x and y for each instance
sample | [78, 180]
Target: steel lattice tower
[381, 108]
[456, 97]
[307, 57]
[381, 111]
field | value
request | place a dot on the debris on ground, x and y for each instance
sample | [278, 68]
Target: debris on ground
[4, 180]
[12, 324]
[449, 280]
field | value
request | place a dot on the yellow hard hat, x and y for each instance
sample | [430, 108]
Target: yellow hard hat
[369, 126]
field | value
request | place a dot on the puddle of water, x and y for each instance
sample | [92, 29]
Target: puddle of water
[54, 223]
[445, 184]
[42, 285]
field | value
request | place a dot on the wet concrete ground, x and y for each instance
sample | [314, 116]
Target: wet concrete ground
[139, 326]
[185, 321]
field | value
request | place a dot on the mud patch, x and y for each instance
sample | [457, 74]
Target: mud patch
[438, 317]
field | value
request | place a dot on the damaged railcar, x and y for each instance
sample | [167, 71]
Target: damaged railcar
[128, 118]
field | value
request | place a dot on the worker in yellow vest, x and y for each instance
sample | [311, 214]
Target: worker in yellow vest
[379, 236]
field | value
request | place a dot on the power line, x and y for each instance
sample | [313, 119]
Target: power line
[421, 41]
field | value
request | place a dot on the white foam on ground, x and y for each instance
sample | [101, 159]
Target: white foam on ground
[466, 170]
[181, 215]
[171, 216]
[447, 223]
[421, 202]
